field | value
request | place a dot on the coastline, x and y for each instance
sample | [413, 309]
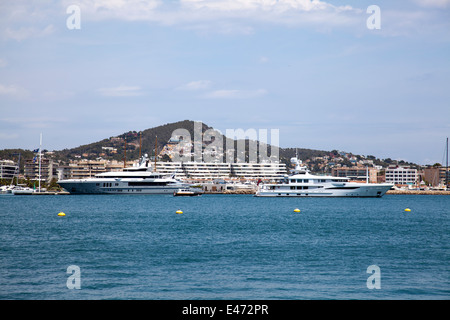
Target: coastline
[233, 192]
[420, 192]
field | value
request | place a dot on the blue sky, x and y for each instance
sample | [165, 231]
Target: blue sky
[311, 69]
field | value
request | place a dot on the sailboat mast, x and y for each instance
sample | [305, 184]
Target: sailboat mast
[40, 161]
[446, 169]
[125, 154]
[156, 152]
[140, 144]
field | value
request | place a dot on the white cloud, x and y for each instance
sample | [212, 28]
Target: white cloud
[196, 13]
[263, 59]
[8, 136]
[23, 33]
[121, 91]
[195, 85]
[12, 90]
[434, 3]
[266, 5]
[130, 10]
[35, 122]
[235, 94]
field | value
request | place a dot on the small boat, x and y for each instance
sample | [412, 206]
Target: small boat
[186, 192]
[23, 191]
[6, 189]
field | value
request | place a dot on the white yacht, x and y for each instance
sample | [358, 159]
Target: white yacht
[22, 190]
[6, 189]
[140, 179]
[304, 184]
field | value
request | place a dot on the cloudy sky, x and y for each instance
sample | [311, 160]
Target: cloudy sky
[82, 70]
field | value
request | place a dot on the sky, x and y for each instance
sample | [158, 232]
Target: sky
[328, 75]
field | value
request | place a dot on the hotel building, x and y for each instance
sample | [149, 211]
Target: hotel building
[401, 175]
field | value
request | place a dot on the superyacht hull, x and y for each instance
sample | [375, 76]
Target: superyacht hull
[94, 186]
[350, 190]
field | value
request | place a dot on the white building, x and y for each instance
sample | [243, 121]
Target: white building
[401, 175]
[8, 169]
[222, 170]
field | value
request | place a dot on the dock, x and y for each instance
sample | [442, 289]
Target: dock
[48, 193]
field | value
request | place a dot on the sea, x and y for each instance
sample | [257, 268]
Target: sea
[224, 247]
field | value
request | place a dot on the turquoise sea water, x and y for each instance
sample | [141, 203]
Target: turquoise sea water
[224, 247]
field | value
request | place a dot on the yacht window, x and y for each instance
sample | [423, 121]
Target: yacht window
[306, 180]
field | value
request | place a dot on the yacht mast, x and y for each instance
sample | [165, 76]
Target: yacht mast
[40, 161]
[125, 154]
[156, 151]
[446, 169]
[140, 144]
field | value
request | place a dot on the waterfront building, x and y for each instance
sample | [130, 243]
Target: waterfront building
[356, 173]
[204, 171]
[401, 175]
[89, 168]
[31, 169]
[8, 169]
[436, 176]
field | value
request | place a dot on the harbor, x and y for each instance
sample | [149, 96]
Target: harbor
[224, 247]
[253, 191]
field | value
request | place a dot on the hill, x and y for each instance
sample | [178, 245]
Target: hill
[113, 148]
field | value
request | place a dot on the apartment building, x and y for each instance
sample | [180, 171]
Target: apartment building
[203, 171]
[89, 168]
[48, 169]
[436, 176]
[8, 169]
[401, 175]
[356, 173]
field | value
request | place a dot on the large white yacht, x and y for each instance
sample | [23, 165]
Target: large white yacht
[304, 184]
[140, 179]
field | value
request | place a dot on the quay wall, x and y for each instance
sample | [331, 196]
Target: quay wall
[421, 192]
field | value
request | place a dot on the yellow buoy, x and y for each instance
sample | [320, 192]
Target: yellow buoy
[61, 214]
[297, 210]
[408, 209]
[179, 212]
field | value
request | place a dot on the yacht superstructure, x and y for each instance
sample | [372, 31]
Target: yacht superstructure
[304, 184]
[140, 179]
